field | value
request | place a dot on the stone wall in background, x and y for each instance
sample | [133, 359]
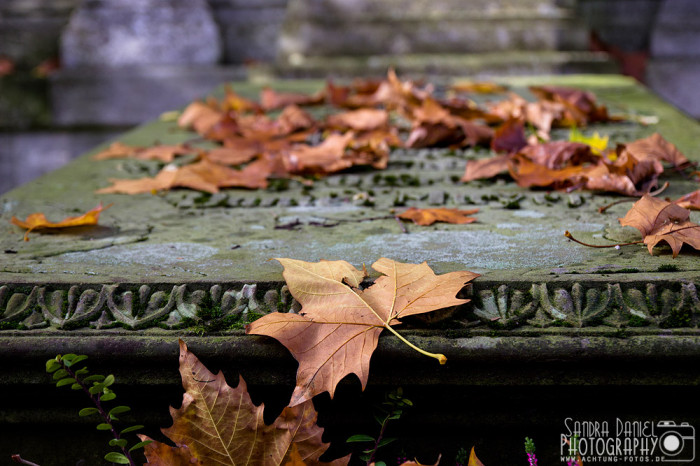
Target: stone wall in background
[126, 61]
[674, 68]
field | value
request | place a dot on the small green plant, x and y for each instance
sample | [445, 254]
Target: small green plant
[530, 450]
[391, 409]
[97, 388]
[462, 458]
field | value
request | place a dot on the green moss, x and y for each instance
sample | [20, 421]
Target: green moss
[409, 180]
[9, 326]
[667, 268]
[278, 184]
[636, 321]
[612, 271]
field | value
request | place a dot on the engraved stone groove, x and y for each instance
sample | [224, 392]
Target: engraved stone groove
[656, 305]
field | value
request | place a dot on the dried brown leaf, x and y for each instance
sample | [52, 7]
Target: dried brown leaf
[426, 217]
[339, 324]
[221, 425]
[38, 221]
[658, 220]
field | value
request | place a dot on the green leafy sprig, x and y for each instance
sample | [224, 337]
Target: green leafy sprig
[97, 388]
[391, 409]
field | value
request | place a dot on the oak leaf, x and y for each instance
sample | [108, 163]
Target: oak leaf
[338, 327]
[221, 425]
[658, 220]
[426, 217]
[38, 221]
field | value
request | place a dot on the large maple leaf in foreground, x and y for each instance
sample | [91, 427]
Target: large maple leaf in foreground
[339, 324]
[659, 220]
[220, 425]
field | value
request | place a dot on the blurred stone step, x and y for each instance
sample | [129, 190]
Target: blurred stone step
[130, 95]
[443, 65]
[361, 27]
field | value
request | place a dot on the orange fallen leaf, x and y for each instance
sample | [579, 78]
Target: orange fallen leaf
[202, 176]
[38, 221]
[200, 117]
[657, 148]
[658, 220]
[426, 217]
[485, 168]
[163, 153]
[483, 87]
[221, 425]
[271, 99]
[473, 460]
[364, 119]
[338, 327]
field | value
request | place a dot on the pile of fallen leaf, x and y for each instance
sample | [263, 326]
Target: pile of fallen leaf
[276, 138]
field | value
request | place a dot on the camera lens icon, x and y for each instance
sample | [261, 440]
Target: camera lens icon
[676, 442]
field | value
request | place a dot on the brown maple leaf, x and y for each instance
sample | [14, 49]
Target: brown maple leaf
[200, 117]
[657, 148]
[509, 137]
[339, 324]
[485, 168]
[364, 119]
[163, 153]
[201, 176]
[658, 220]
[327, 157]
[689, 201]
[426, 217]
[483, 87]
[271, 99]
[221, 425]
[38, 221]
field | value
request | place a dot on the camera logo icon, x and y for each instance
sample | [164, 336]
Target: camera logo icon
[676, 441]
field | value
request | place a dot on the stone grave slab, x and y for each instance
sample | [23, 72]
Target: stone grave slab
[549, 320]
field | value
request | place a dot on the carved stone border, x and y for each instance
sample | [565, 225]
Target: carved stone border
[577, 305]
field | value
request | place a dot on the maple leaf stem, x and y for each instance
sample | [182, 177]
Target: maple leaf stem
[440, 357]
[571, 237]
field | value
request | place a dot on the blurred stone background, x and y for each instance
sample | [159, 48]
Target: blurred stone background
[75, 73]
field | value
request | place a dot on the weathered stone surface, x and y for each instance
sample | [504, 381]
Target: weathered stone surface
[193, 251]
[550, 321]
[141, 32]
